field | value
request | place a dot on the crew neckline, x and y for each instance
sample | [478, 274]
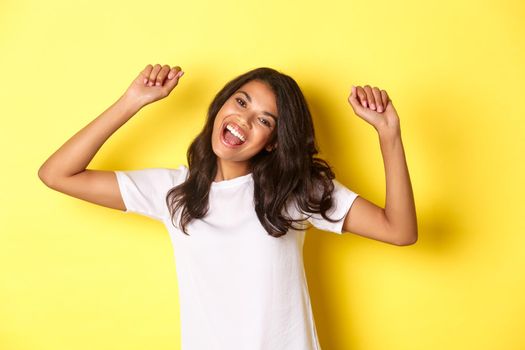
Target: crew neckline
[232, 182]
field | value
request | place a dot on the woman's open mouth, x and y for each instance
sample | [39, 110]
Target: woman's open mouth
[231, 137]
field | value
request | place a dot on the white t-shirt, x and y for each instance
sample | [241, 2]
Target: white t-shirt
[239, 287]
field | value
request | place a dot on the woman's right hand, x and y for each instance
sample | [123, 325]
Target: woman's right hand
[153, 83]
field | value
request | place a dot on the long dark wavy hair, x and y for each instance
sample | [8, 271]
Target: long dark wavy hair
[289, 173]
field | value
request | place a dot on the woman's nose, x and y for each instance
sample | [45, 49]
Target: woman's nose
[243, 121]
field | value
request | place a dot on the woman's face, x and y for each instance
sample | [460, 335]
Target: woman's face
[245, 122]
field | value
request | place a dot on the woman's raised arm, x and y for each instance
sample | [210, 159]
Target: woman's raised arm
[65, 170]
[397, 222]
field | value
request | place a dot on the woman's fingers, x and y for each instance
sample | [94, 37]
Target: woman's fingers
[384, 98]
[373, 98]
[146, 72]
[153, 75]
[361, 95]
[173, 72]
[172, 82]
[154, 83]
[360, 107]
[377, 98]
[156, 75]
[355, 99]
[162, 75]
[370, 97]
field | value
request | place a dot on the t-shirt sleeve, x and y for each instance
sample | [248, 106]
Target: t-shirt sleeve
[144, 190]
[343, 198]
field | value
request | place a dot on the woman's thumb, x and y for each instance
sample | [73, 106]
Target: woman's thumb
[173, 74]
[173, 79]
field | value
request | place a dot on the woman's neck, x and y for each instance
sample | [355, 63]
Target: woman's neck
[230, 170]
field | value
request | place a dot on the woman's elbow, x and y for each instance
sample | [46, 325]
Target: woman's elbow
[405, 240]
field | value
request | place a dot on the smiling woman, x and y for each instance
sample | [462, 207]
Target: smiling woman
[250, 121]
[232, 135]
[238, 213]
[259, 123]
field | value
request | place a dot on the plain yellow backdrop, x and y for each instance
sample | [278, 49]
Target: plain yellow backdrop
[74, 275]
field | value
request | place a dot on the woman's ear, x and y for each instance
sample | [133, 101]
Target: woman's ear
[270, 148]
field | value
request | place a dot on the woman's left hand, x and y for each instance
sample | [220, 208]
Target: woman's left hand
[375, 107]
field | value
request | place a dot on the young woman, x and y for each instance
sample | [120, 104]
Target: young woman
[237, 214]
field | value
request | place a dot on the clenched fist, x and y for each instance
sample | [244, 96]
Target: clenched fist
[375, 107]
[153, 83]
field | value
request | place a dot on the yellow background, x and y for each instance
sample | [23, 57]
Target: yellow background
[74, 275]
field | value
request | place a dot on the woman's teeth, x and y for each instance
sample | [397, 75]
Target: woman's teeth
[234, 132]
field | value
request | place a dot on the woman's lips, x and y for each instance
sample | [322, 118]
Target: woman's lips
[237, 129]
[223, 140]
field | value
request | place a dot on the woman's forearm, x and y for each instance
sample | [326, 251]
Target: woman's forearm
[399, 205]
[75, 155]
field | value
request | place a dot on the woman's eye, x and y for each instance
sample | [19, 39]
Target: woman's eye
[243, 103]
[265, 122]
[240, 99]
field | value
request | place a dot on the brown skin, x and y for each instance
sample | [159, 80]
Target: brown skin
[154, 83]
[66, 169]
[396, 223]
[256, 126]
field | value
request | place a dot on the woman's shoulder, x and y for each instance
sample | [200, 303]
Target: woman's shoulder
[161, 176]
[179, 174]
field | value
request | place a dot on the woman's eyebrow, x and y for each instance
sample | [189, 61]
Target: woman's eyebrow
[264, 112]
